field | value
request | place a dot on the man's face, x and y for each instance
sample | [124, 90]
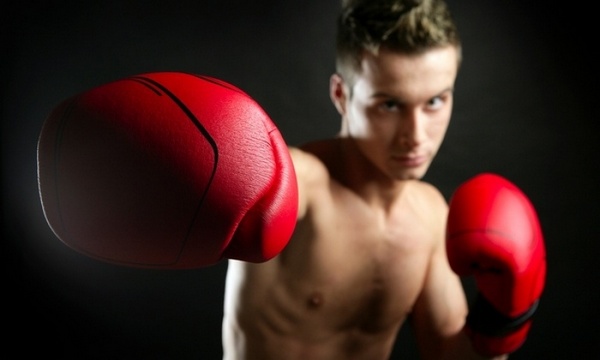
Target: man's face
[399, 108]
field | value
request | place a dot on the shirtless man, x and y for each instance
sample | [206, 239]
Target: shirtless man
[123, 173]
[368, 251]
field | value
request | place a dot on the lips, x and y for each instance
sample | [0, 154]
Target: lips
[409, 160]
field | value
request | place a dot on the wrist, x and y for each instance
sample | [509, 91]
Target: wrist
[485, 319]
[493, 333]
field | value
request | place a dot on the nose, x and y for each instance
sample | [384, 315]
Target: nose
[411, 128]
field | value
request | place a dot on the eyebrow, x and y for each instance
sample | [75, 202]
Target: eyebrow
[449, 89]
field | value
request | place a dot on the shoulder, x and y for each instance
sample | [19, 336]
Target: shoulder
[309, 164]
[430, 200]
[306, 164]
[312, 173]
[429, 191]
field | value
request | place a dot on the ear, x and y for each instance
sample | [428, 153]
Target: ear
[337, 93]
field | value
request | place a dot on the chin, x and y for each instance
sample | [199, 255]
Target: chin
[409, 174]
[406, 175]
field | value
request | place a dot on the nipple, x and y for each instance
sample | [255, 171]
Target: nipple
[315, 300]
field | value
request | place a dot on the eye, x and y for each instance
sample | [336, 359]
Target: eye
[435, 103]
[389, 105]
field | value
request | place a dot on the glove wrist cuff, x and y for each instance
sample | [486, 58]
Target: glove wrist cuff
[484, 319]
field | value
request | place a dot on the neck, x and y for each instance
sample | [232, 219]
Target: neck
[357, 173]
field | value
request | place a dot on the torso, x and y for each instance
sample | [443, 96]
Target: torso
[344, 285]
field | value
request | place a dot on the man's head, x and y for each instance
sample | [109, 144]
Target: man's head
[406, 26]
[397, 64]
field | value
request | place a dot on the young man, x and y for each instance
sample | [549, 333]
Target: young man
[174, 170]
[368, 251]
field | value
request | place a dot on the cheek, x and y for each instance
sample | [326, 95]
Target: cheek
[378, 125]
[437, 128]
[380, 131]
[359, 123]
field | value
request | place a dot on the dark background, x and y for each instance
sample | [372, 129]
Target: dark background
[526, 104]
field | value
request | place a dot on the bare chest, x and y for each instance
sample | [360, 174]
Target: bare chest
[349, 269]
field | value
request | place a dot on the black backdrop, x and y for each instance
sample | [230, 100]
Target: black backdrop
[525, 108]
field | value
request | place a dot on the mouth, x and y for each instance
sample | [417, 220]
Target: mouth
[409, 161]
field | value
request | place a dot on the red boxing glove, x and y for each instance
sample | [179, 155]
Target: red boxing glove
[494, 234]
[167, 170]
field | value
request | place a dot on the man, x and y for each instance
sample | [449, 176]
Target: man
[174, 170]
[368, 251]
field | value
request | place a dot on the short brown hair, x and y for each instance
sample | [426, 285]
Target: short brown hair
[405, 26]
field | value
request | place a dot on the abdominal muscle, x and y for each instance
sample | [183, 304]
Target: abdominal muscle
[277, 323]
[322, 299]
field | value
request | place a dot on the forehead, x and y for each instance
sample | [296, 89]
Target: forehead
[406, 75]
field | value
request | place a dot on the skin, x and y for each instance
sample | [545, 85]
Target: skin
[368, 251]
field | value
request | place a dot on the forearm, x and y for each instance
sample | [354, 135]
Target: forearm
[460, 346]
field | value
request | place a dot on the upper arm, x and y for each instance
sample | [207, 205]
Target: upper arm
[441, 308]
